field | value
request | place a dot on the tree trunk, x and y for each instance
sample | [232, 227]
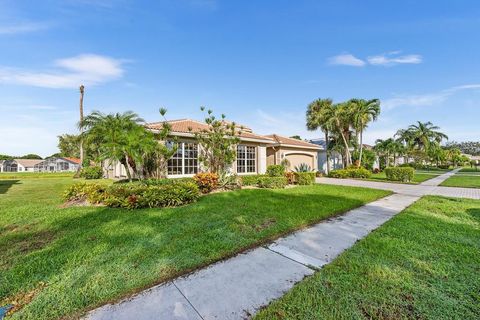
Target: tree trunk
[347, 151]
[361, 149]
[127, 168]
[82, 91]
[327, 157]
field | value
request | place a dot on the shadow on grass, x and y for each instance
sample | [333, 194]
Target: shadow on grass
[7, 184]
[103, 253]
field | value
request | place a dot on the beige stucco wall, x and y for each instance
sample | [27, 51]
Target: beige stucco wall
[295, 155]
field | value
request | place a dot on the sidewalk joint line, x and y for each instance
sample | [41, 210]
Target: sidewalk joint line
[173, 282]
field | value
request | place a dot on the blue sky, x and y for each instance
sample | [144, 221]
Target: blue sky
[259, 62]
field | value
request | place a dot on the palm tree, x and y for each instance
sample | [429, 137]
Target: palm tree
[423, 134]
[120, 137]
[341, 118]
[319, 116]
[363, 111]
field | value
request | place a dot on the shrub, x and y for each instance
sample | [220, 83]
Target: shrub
[376, 170]
[352, 172]
[290, 177]
[303, 167]
[275, 170]
[250, 180]
[162, 182]
[125, 195]
[228, 181]
[206, 182]
[305, 178]
[91, 173]
[272, 182]
[92, 192]
[403, 174]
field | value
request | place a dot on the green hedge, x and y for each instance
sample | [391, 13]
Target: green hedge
[275, 170]
[350, 173]
[251, 180]
[91, 173]
[272, 182]
[136, 194]
[404, 174]
[305, 178]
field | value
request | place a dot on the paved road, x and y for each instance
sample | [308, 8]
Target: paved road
[238, 287]
[429, 187]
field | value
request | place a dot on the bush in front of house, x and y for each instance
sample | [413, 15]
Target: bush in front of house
[250, 180]
[91, 173]
[206, 181]
[135, 195]
[272, 182]
[351, 172]
[94, 193]
[305, 178]
[290, 177]
[404, 174]
[275, 170]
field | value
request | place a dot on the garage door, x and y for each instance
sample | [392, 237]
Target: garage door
[296, 159]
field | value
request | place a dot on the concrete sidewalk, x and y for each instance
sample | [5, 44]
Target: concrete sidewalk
[238, 287]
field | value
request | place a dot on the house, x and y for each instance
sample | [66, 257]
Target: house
[336, 159]
[251, 158]
[292, 152]
[19, 165]
[63, 164]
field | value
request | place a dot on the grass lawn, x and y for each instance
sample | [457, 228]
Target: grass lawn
[462, 181]
[61, 262]
[469, 169]
[422, 264]
[31, 175]
[417, 178]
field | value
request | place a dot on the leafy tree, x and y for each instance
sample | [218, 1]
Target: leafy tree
[296, 137]
[320, 116]
[31, 156]
[217, 143]
[467, 147]
[369, 157]
[5, 157]
[69, 145]
[363, 112]
[421, 136]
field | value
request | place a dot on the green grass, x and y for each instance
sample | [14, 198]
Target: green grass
[71, 260]
[39, 175]
[462, 181]
[422, 264]
[417, 178]
[469, 169]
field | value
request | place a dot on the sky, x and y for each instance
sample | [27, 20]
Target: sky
[258, 62]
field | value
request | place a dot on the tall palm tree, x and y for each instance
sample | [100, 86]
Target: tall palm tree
[423, 134]
[363, 111]
[341, 118]
[120, 137]
[319, 116]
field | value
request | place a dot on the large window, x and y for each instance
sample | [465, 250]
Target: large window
[246, 159]
[185, 160]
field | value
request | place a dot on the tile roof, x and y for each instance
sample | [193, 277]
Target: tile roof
[27, 162]
[280, 140]
[183, 126]
[74, 160]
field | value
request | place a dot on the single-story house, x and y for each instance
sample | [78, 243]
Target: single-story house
[19, 165]
[252, 151]
[292, 151]
[64, 164]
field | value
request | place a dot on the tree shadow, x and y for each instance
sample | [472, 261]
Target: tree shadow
[6, 184]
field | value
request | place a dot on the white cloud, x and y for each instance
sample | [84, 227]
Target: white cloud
[429, 99]
[346, 59]
[387, 59]
[392, 58]
[88, 69]
[24, 27]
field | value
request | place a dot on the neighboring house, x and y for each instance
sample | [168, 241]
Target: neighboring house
[19, 165]
[64, 164]
[251, 151]
[294, 151]
[336, 161]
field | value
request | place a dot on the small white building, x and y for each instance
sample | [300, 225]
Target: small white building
[64, 164]
[19, 165]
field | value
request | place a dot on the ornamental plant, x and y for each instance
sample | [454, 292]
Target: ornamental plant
[404, 174]
[206, 181]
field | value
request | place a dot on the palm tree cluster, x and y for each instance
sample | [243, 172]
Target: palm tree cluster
[123, 137]
[420, 142]
[343, 124]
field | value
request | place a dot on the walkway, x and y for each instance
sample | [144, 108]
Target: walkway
[238, 287]
[429, 187]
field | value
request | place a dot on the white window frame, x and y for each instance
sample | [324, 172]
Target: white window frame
[181, 145]
[245, 160]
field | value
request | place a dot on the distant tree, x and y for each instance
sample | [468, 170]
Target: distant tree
[5, 157]
[69, 145]
[31, 156]
[296, 137]
[467, 147]
[55, 155]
